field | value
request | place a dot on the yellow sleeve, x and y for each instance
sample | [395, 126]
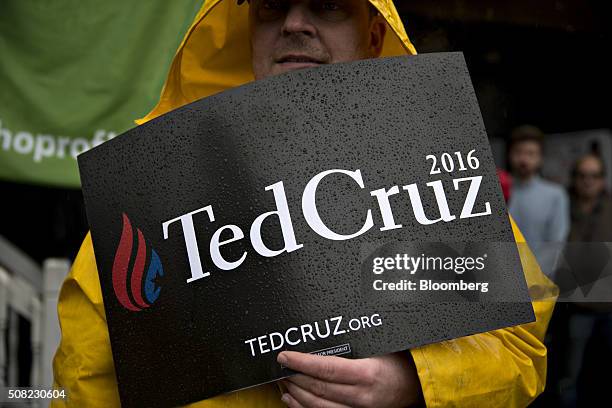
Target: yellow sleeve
[501, 368]
[83, 363]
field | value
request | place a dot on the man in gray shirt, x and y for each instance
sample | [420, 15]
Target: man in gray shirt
[539, 207]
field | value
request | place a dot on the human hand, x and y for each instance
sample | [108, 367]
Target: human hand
[388, 381]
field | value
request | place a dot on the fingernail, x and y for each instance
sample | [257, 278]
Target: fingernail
[285, 398]
[282, 359]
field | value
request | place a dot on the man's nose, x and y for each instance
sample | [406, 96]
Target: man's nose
[299, 20]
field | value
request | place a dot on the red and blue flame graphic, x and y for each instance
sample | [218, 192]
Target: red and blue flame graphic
[132, 298]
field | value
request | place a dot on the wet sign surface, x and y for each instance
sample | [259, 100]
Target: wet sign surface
[288, 214]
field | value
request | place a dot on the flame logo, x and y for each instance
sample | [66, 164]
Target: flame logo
[132, 299]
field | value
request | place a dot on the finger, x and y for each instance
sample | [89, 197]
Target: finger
[329, 368]
[290, 401]
[282, 386]
[307, 399]
[342, 393]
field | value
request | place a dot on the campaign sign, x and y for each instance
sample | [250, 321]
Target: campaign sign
[287, 214]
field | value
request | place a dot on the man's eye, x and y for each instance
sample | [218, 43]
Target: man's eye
[330, 6]
[273, 5]
[271, 10]
[332, 10]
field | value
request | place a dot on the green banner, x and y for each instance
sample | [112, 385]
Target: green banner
[75, 73]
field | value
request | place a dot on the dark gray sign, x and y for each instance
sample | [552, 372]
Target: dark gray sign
[241, 225]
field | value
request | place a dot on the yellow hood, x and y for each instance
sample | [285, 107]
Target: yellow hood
[215, 54]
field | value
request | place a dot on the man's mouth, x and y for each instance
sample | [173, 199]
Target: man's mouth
[298, 61]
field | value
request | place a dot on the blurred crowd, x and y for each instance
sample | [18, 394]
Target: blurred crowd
[569, 230]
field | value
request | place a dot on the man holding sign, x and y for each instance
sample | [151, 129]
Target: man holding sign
[231, 44]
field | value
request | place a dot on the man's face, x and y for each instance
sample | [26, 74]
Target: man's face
[590, 182]
[296, 34]
[525, 158]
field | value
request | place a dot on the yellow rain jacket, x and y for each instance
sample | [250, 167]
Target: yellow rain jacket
[502, 368]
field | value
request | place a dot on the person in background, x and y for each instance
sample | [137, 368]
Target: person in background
[591, 206]
[539, 207]
[588, 322]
